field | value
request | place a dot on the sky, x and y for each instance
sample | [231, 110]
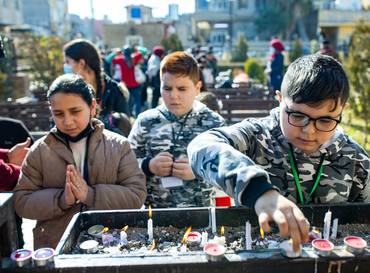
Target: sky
[115, 9]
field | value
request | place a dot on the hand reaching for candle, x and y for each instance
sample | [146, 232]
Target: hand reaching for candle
[273, 206]
[18, 152]
[182, 170]
[161, 164]
[78, 184]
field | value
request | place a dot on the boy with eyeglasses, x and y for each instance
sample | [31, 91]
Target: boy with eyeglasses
[298, 154]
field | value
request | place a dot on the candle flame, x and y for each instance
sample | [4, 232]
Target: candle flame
[185, 238]
[150, 211]
[105, 230]
[262, 233]
[222, 231]
[152, 246]
[125, 228]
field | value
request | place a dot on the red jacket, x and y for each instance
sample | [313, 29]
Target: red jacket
[9, 173]
[127, 74]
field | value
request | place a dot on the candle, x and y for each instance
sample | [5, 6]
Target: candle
[150, 225]
[43, 255]
[286, 248]
[214, 252]
[204, 238]
[213, 220]
[123, 237]
[194, 238]
[89, 246]
[327, 223]
[96, 231]
[314, 234]
[334, 229]
[355, 244]
[248, 236]
[22, 257]
[322, 247]
[220, 240]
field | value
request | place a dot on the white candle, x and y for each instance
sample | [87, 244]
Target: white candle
[219, 240]
[334, 229]
[213, 220]
[327, 223]
[204, 238]
[248, 236]
[150, 229]
[123, 237]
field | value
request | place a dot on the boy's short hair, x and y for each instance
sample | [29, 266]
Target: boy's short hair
[312, 79]
[182, 64]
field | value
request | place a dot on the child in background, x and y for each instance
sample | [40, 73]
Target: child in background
[78, 166]
[298, 154]
[160, 136]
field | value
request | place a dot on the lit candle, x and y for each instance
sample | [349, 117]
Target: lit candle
[150, 225]
[248, 236]
[355, 244]
[327, 223]
[322, 247]
[220, 240]
[123, 236]
[334, 229]
[213, 220]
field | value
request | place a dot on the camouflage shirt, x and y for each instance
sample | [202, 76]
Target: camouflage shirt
[230, 157]
[157, 130]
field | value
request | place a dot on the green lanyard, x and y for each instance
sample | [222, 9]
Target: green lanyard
[318, 174]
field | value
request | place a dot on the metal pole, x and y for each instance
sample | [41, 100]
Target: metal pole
[92, 21]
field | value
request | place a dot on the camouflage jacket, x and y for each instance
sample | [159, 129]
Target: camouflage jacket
[154, 131]
[230, 157]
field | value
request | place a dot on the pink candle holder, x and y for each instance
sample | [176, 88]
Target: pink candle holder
[322, 247]
[354, 244]
[194, 238]
[21, 257]
[214, 252]
[42, 256]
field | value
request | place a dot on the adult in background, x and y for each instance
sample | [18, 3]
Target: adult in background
[153, 73]
[83, 58]
[127, 64]
[275, 65]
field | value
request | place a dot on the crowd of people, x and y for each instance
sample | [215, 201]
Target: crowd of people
[178, 151]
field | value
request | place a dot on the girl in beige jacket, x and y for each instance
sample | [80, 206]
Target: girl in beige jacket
[78, 166]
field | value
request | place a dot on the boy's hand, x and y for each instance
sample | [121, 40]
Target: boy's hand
[161, 164]
[18, 152]
[182, 170]
[273, 206]
[78, 185]
[68, 195]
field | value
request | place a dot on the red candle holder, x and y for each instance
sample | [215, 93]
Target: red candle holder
[322, 247]
[42, 256]
[21, 257]
[194, 238]
[214, 252]
[355, 244]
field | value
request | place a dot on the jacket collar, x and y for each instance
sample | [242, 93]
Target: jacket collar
[197, 108]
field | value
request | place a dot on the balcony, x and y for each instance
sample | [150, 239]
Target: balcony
[334, 18]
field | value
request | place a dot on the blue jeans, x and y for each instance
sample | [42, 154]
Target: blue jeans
[135, 99]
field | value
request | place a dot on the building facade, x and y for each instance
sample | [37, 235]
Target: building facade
[11, 12]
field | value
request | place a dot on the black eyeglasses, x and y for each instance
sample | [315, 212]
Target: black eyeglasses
[323, 124]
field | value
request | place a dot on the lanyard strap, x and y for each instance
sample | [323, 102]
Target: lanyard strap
[175, 136]
[293, 165]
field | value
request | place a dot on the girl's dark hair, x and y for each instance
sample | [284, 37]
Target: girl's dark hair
[71, 84]
[83, 49]
[312, 79]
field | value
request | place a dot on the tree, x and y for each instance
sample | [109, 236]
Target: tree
[358, 68]
[254, 70]
[172, 43]
[8, 67]
[284, 17]
[296, 50]
[45, 58]
[241, 50]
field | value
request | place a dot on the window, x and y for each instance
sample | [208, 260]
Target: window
[243, 4]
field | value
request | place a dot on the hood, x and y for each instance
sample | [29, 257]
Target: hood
[197, 108]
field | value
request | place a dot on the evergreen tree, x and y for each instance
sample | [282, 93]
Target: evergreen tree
[358, 64]
[241, 50]
[172, 43]
[296, 50]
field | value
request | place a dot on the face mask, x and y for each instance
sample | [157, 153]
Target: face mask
[67, 69]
